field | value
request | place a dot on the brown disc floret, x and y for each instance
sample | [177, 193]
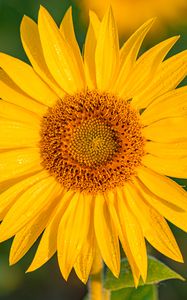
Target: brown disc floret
[91, 141]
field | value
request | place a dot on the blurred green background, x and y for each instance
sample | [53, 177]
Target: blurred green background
[47, 283]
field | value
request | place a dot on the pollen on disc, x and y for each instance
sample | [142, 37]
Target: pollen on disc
[91, 141]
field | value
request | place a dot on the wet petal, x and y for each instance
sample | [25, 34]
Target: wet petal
[17, 163]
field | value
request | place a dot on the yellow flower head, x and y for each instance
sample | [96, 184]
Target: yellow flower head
[87, 145]
[130, 14]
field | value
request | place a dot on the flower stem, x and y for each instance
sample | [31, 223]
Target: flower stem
[96, 290]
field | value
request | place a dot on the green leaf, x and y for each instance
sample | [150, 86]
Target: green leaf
[146, 292]
[157, 271]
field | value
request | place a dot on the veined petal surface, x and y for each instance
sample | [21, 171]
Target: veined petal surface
[31, 203]
[67, 30]
[16, 163]
[134, 233]
[167, 151]
[171, 72]
[111, 198]
[154, 226]
[32, 46]
[70, 238]
[13, 112]
[59, 55]
[89, 50]
[27, 236]
[163, 187]
[168, 130]
[145, 68]
[11, 93]
[48, 243]
[104, 227]
[14, 134]
[175, 213]
[8, 197]
[171, 167]
[128, 55]
[172, 104]
[25, 77]
[107, 52]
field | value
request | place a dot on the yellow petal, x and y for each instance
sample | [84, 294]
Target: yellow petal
[145, 68]
[11, 93]
[15, 134]
[154, 226]
[169, 130]
[59, 55]
[67, 30]
[174, 213]
[107, 52]
[174, 167]
[31, 203]
[128, 55]
[25, 77]
[89, 50]
[163, 187]
[171, 104]
[84, 261]
[16, 113]
[168, 151]
[134, 233]
[111, 199]
[32, 46]
[171, 72]
[72, 232]
[106, 235]
[27, 236]
[8, 197]
[18, 163]
[48, 243]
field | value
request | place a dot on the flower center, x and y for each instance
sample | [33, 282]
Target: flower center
[91, 141]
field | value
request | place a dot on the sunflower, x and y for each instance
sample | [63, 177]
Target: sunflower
[87, 145]
[131, 14]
